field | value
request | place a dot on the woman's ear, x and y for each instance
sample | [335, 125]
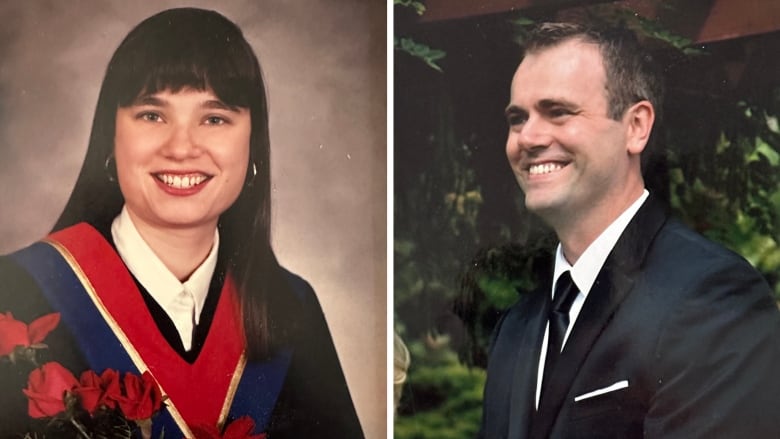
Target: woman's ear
[639, 119]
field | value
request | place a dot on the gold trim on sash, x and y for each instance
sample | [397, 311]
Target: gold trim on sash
[119, 333]
[231, 393]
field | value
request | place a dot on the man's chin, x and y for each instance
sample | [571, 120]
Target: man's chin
[538, 205]
[547, 209]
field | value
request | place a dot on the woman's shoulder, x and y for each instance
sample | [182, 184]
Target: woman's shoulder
[19, 293]
[301, 304]
[300, 287]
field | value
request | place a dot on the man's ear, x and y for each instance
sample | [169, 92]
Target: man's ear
[639, 119]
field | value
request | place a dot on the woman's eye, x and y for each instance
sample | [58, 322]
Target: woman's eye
[150, 117]
[216, 120]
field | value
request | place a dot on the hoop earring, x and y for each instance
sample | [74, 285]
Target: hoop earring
[251, 181]
[109, 169]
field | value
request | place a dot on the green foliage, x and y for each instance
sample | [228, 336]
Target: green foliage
[411, 47]
[429, 253]
[644, 26]
[443, 398]
[655, 30]
[418, 7]
[421, 51]
[613, 15]
[737, 204]
[720, 168]
[521, 27]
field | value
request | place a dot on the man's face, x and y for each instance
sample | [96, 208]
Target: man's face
[568, 156]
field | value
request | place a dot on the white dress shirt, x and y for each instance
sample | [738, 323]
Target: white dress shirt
[182, 301]
[584, 273]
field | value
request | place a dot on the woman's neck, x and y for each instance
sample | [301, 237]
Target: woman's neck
[182, 250]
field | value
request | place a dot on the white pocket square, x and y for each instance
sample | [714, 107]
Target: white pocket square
[617, 386]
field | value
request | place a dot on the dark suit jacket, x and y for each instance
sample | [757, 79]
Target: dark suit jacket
[690, 325]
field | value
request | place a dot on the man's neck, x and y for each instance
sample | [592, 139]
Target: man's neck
[577, 235]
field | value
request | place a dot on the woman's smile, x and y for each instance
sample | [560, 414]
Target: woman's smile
[182, 181]
[181, 157]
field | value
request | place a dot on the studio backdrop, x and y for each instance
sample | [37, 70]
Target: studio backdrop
[324, 65]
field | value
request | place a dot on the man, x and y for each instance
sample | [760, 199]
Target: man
[662, 334]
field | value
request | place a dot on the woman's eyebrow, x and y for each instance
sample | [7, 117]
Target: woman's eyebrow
[216, 104]
[149, 100]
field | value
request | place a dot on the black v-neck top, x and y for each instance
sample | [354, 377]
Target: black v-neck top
[164, 322]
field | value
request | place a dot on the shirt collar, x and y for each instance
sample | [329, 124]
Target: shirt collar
[588, 266]
[150, 271]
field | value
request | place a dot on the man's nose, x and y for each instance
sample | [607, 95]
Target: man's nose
[534, 134]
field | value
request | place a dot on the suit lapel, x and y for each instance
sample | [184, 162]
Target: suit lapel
[606, 294]
[612, 285]
[522, 402]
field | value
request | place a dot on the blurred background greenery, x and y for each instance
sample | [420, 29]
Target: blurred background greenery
[465, 247]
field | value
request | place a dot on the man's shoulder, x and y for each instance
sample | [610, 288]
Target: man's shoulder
[687, 248]
[528, 305]
[683, 265]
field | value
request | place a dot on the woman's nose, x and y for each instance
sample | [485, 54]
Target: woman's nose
[182, 143]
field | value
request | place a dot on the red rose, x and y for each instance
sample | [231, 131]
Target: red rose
[46, 387]
[89, 391]
[111, 388]
[95, 390]
[241, 428]
[14, 333]
[141, 398]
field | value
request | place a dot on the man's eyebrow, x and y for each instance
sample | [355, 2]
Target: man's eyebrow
[557, 102]
[514, 109]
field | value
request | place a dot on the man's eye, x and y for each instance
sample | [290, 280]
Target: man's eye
[515, 119]
[560, 112]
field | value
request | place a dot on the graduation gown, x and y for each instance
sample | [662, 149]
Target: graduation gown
[109, 321]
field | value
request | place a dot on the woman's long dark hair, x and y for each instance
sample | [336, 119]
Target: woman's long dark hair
[199, 49]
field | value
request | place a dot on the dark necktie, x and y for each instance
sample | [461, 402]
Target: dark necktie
[565, 293]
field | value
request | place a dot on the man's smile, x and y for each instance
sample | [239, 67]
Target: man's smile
[545, 168]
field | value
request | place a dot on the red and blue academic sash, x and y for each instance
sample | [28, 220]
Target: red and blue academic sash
[84, 279]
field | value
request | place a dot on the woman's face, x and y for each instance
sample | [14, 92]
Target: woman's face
[181, 158]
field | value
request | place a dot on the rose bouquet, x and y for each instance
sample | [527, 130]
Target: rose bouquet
[101, 406]
[109, 405]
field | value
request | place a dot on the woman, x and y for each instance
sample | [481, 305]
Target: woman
[401, 361]
[161, 260]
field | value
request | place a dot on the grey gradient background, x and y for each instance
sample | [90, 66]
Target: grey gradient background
[324, 63]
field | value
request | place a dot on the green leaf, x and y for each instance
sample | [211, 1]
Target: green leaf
[421, 51]
[418, 7]
[767, 151]
[522, 21]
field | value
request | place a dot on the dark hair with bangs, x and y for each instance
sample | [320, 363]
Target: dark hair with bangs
[199, 49]
[632, 73]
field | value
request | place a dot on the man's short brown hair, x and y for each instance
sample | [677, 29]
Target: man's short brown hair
[632, 73]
